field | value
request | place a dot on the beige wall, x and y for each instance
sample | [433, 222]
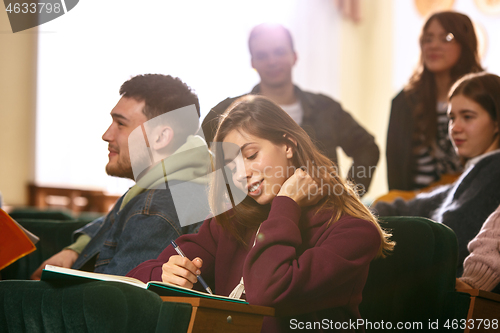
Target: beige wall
[366, 91]
[366, 76]
[17, 110]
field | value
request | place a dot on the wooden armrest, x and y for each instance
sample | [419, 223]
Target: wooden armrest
[210, 315]
[481, 293]
[484, 308]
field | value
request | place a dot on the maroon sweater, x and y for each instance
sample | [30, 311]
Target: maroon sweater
[307, 271]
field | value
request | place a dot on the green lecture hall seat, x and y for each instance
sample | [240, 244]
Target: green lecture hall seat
[415, 283]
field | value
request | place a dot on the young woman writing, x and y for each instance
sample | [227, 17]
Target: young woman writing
[301, 241]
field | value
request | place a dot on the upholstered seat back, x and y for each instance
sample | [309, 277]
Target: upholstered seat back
[38, 306]
[37, 214]
[415, 281]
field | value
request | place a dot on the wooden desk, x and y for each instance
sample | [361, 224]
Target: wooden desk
[219, 316]
[484, 305]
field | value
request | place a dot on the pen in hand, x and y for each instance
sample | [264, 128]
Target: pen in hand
[200, 279]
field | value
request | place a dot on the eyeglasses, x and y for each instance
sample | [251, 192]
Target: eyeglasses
[446, 39]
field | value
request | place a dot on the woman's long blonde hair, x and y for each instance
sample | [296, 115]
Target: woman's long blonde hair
[259, 116]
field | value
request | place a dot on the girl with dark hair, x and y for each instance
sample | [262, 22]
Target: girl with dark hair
[419, 151]
[301, 241]
[464, 206]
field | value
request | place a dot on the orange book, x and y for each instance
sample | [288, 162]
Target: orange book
[15, 241]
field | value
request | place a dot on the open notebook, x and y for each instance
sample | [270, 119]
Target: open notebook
[54, 273]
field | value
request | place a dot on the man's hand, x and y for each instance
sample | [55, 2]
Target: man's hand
[66, 258]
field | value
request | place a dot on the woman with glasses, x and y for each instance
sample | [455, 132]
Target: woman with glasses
[419, 151]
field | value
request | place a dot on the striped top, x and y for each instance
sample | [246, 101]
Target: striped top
[432, 163]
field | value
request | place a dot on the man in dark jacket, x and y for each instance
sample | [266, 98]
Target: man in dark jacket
[151, 141]
[273, 57]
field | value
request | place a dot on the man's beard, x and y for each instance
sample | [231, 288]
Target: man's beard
[120, 169]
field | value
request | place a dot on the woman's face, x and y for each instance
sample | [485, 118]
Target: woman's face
[263, 168]
[440, 50]
[471, 129]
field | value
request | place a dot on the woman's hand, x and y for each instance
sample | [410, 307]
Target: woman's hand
[181, 271]
[302, 189]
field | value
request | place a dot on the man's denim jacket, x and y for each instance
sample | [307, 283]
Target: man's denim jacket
[140, 231]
